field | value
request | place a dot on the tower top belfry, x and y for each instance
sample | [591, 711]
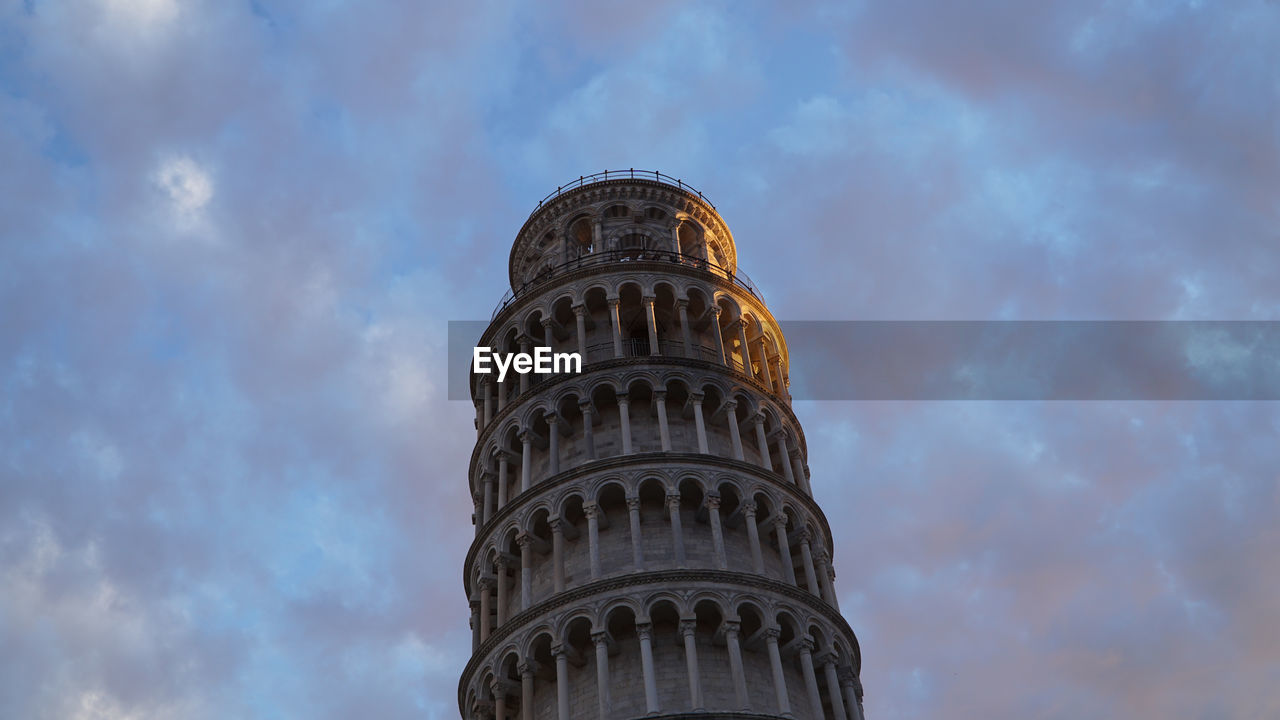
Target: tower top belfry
[586, 216]
[647, 543]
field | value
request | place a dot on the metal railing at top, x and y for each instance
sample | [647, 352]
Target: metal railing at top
[624, 256]
[629, 174]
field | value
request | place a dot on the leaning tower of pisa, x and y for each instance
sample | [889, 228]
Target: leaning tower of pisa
[647, 543]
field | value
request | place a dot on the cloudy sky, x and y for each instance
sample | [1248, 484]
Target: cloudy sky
[232, 234]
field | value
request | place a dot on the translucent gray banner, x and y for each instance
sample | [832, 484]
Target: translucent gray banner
[1018, 360]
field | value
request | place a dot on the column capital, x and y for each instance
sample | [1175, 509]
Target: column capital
[712, 502]
[716, 310]
[644, 630]
[649, 299]
[806, 643]
[579, 310]
[749, 509]
[732, 627]
[524, 540]
[772, 634]
[586, 407]
[600, 637]
[660, 395]
[821, 555]
[528, 667]
[486, 582]
[548, 321]
[614, 302]
[682, 303]
[557, 524]
[731, 405]
[525, 436]
[501, 562]
[696, 397]
[780, 519]
[551, 418]
[804, 535]
[524, 340]
[590, 509]
[673, 501]
[623, 398]
[758, 417]
[558, 649]
[633, 503]
[688, 626]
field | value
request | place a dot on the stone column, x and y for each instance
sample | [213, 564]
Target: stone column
[548, 333]
[637, 548]
[526, 460]
[553, 440]
[779, 378]
[753, 534]
[784, 449]
[826, 578]
[688, 629]
[557, 554]
[746, 352]
[664, 431]
[643, 631]
[624, 414]
[526, 670]
[731, 414]
[616, 321]
[784, 547]
[501, 389]
[580, 319]
[717, 533]
[479, 418]
[525, 541]
[488, 401]
[806, 556]
[715, 326]
[698, 422]
[502, 590]
[810, 679]
[731, 630]
[682, 306]
[562, 681]
[488, 496]
[852, 687]
[602, 672]
[526, 344]
[762, 440]
[828, 663]
[588, 433]
[593, 536]
[797, 466]
[779, 680]
[486, 595]
[673, 509]
[503, 463]
[500, 699]
[652, 319]
[475, 623]
[764, 365]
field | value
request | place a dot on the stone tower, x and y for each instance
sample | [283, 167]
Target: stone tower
[647, 543]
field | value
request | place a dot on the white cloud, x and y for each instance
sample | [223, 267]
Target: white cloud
[186, 186]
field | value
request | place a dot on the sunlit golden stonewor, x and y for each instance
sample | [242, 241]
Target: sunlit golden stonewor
[646, 540]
